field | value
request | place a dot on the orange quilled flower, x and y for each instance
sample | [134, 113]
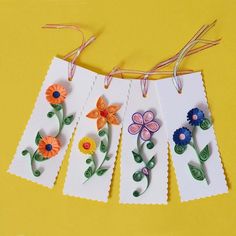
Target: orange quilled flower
[49, 146]
[104, 113]
[56, 94]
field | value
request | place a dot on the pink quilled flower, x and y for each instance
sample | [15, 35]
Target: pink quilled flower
[144, 125]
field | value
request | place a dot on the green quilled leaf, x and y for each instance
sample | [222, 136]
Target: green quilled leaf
[25, 152]
[103, 147]
[50, 114]
[179, 149]
[204, 154]
[101, 171]
[57, 107]
[151, 163]
[138, 176]
[206, 124]
[68, 120]
[88, 161]
[38, 138]
[150, 145]
[138, 158]
[101, 133]
[196, 172]
[89, 172]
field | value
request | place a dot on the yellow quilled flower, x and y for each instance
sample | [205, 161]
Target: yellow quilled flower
[87, 145]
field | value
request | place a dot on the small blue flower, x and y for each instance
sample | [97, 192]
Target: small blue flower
[182, 136]
[195, 117]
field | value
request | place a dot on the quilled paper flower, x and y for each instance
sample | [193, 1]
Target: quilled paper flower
[182, 136]
[144, 125]
[104, 113]
[87, 145]
[49, 146]
[195, 117]
[56, 94]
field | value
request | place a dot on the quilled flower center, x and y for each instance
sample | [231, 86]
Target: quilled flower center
[56, 94]
[86, 145]
[48, 147]
[182, 136]
[194, 117]
[104, 113]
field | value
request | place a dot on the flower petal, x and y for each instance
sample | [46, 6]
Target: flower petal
[62, 93]
[134, 129]
[152, 126]
[93, 114]
[148, 116]
[49, 140]
[112, 119]
[137, 118]
[101, 121]
[113, 108]
[101, 104]
[145, 134]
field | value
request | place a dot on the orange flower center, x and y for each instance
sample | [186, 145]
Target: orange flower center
[86, 145]
[104, 113]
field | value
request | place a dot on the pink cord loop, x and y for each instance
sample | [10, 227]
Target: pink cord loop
[75, 53]
[144, 85]
[108, 78]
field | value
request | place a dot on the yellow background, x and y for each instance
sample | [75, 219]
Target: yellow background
[137, 34]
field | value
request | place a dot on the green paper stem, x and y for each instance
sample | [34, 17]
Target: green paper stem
[94, 167]
[35, 172]
[60, 116]
[137, 193]
[140, 147]
[58, 110]
[194, 146]
[100, 167]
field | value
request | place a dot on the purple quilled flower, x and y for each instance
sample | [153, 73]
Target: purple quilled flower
[144, 125]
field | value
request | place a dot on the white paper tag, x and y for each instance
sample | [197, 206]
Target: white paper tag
[78, 91]
[157, 176]
[97, 187]
[175, 108]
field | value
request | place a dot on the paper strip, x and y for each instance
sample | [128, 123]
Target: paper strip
[78, 91]
[97, 187]
[157, 190]
[175, 107]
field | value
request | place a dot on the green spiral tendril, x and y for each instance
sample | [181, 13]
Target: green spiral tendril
[138, 193]
[138, 157]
